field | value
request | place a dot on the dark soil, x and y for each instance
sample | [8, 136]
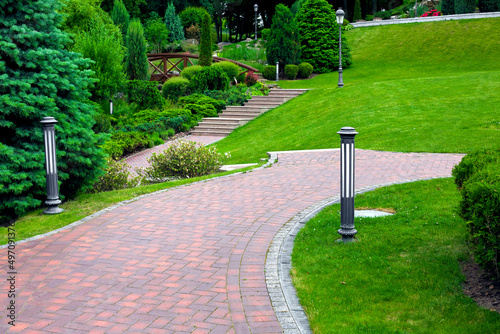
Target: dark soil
[481, 286]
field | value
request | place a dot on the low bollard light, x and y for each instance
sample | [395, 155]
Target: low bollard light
[347, 230]
[111, 106]
[53, 200]
[277, 71]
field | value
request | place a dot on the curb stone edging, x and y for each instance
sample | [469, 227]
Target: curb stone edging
[282, 293]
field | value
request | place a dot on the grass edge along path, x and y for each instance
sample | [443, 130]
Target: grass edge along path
[402, 276]
[36, 223]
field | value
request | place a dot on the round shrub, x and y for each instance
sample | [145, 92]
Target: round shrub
[174, 88]
[117, 176]
[231, 69]
[209, 78]
[489, 5]
[190, 71]
[251, 79]
[265, 33]
[269, 72]
[291, 71]
[305, 70]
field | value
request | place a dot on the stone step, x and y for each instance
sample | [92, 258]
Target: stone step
[203, 125]
[247, 108]
[280, 99]
[211, 133]
[295, 92]
[221, 120]
[241, 114]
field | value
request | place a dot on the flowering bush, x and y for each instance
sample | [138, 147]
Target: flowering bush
[251, 79]
[117, 176]
[433, 12]
[183, 159]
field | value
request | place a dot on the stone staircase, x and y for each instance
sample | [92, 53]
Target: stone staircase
[235, 116]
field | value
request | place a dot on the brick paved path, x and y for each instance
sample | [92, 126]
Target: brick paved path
[190, 259]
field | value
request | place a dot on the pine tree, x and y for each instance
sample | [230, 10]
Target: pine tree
[174, 24]
[465, 6]
[283, 44]
[357, 11]
[137, 60]
[448, 7]
[40, 78]
[205, 42]
[120, 16]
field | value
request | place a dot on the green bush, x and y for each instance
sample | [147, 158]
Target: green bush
[489, 5]
[202, 99]
[162, 123]
[478, 175]
[190, 71]
[136, 60]
[39, 78]
[235, 96]
[120, 16]
[192, 16]
[209, 78]
[305, 70]
[184, 159]
[291, 71]
[173, 24]
[251, 79]
[283, 45]
[174, 88]
[117, 176]
[122, 143]
[231, 69]
[145, 93]
[205, 58]
[269, 72]
[156, 34]
[357, 11]
[200, 111]
[465, 6]
[318, 29]
[385, 15]
[265, 33]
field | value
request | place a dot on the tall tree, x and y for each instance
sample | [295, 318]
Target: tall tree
[40, 78]
[120, 16]
[137, 60]
[205, 42]
[283, 44]
[173, 24]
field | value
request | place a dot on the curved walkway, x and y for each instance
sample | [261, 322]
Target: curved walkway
[189, 259]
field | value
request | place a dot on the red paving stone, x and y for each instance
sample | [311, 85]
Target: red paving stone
[190, 259]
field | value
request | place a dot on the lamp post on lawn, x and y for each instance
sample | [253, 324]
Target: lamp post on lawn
[255, 8]
[340, 19]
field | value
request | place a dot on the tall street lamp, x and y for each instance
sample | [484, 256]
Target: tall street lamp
[340, 19]
[255, 8]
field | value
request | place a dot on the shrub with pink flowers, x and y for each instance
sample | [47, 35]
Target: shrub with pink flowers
[251, 78]
[433, 12]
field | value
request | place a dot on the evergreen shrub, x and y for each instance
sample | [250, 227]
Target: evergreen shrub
[192, 16]
[173, 24]
[120, 16]
[122, 143]
[478, 176]
[448, 7]
[41, 78]
[209, 78]
[305, 70]
[357, 11]
[231, 69]
[265, 33]
[190, 71]
[235, 96]
[465, 6]
[269, 72]
[136, 59]
[489, 6]
[291, 71]
[205, 58]
[174, 88]
[202, 99]
[283, 45]
[145, 93]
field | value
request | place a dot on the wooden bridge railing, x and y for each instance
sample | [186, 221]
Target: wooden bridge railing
[170, 62]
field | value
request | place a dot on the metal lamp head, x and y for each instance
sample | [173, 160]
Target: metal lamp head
[340, 16]
[256, 7]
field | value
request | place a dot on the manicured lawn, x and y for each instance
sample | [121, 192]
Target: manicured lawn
[403, 276]
[430, 87]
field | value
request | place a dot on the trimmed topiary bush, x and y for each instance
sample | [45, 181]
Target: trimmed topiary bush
[231, 69]
[305, 70]
[448, 7]
[145, 94]
[202, 99]
[136, 58]
[357, 11]
[265, 33]
[269, 72]
[209, 78]
[205, 42]
[190, 71]
[489, 5]
[174, 88]
[465, 6]
[291, 71]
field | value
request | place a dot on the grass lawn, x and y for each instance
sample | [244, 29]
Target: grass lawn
[402, 276]
[429, 87]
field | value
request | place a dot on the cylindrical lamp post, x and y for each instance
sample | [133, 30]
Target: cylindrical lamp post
[111, 106]
[347, 230]
[255, 8]
[277, 71]
[53, 200]
[340, 19]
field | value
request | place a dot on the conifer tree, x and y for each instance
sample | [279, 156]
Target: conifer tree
[174, 24]
[137, 60]
[205, 42]
[357, 11]
[40, 78]
[448, 7]
[120, 16]
[283, 44]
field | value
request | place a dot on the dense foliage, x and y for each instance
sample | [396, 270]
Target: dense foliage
[269, 72]
[209, 78]
[291, 71]
[465, 6]
[190, 71]
[478, 178]
[231, 69]
[283, 44]
[137, 61]
[117, 176]
[489, 5]
[205, 58]
[357, 11]
[305, 70]
[319, 36]
[40, 78]
[448, 7]
[174, 88]
[145, 94]
[192, 16]
[120, 16]
[173, 24]
[156, 34]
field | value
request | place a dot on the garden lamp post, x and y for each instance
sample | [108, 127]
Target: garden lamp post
[49, 136]
[255, 8]
[340, 19]
[347, 230]
[111, 106]
[277, 71]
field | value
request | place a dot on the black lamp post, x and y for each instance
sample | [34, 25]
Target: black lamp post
[340, 19]
[347, 230]
[53, 200]
[255, 8]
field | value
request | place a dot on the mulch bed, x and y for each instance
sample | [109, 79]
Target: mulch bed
[481, 286]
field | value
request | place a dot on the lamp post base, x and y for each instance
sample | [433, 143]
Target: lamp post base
[52, 207]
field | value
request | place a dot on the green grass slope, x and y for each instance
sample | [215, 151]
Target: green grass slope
[429, 87]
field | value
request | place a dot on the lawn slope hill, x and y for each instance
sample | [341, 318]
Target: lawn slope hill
[424, 87]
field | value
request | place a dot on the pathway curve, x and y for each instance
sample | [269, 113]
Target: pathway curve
[189, 259]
